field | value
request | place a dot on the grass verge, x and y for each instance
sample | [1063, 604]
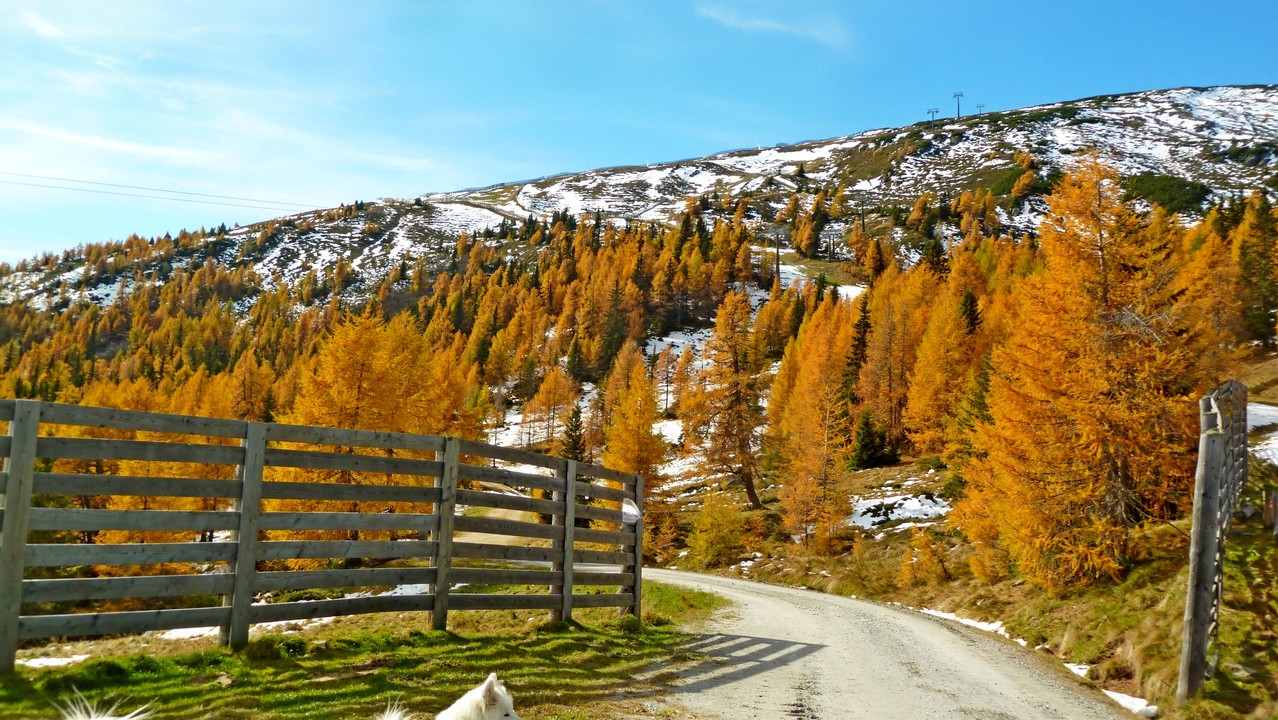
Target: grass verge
[610, 668]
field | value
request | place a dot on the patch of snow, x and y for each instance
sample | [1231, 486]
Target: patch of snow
[1260, 414]
[870, 512]
[1140, 706]
[454, 218]
[995, 627]
[908, 525]
[415, 589]
[193, 633]
[189, 633]
[682, 471]
[46, 662]
[678, 340]
[670, 430]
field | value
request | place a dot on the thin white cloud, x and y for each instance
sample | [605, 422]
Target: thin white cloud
[825, 30]
[42, 27]
[176, 155]
[354, 152]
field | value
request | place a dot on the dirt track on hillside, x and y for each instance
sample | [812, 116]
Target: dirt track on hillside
[781, 652]
[497, 514]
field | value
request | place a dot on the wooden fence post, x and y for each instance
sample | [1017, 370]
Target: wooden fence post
[1272, 493]
[637, 588]
[566, 544]
[557, 544]
[1203, 549]
[16, 503]
[446, 508]
[235, 633]
[1271, 509]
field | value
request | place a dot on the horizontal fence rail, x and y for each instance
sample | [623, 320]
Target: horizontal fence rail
[226, 523]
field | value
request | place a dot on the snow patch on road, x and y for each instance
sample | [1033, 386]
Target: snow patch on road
[995, 627]
[1137, 705]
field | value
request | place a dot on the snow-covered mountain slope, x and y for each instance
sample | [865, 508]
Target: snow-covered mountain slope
[1221, 141]
[1225, 137]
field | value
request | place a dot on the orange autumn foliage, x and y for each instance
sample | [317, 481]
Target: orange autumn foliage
[808, 425]
[1093, 407]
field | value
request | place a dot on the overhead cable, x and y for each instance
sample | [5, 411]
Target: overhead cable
[153, 197]
[151, 189]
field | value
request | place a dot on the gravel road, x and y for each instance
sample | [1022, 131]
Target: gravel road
[781, 652]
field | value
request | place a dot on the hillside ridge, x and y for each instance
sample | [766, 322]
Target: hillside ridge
[1189, 147]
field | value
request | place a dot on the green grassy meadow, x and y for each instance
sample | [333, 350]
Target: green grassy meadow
[608, 667]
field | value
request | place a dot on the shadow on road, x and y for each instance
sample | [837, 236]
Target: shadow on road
[725, 659]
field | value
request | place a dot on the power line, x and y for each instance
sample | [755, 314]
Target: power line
[139, 195]
[151, 189]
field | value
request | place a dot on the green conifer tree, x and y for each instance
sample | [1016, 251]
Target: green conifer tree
[970, 311]
[576, 363]
[934, 255]
[572, 444]
[614, 332]
[857, 354]
[869, 445]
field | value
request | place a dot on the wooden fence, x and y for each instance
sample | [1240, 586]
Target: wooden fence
[1218, 483]
[229, 512]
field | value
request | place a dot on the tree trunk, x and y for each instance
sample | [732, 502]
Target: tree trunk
[752, 495]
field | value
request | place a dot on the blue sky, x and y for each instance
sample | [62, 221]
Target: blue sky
[318, 103]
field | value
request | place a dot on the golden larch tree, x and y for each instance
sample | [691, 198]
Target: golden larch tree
[548, 408]
[810, 431]
[631, 444]
[733, 386]
[936, 381]
[1092, 402]
[900, 306]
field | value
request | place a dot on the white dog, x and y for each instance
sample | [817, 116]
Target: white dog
[81, 708]
[490, 700]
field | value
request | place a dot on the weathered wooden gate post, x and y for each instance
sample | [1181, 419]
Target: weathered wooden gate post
[1218, 484]
[235, 633]
[637, 588]
[565, 545]
[1202, 556]
[19, 469]
[446, 507]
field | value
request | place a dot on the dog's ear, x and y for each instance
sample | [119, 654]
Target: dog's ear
[492, 689]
